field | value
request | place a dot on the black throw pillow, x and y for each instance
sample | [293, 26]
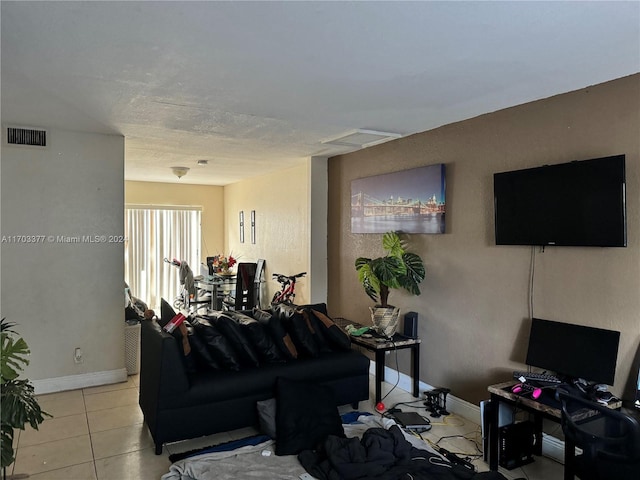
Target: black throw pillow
[280, 336]
[230, 329]
[301, 332]
[259, 337]
[306, 414]
[203, 358]
[217, 344]
[316, 329]
[333, 334]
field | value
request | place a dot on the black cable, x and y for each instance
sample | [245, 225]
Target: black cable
[395, 349]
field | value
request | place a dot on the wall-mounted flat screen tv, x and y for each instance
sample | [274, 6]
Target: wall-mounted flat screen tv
[579, 203]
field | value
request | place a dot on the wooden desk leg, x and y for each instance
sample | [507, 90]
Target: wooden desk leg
[494, 441]
[415, 368]
[379, 374]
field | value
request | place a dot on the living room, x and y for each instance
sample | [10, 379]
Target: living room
[474, 308]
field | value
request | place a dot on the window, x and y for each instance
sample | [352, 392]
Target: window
[156, 233]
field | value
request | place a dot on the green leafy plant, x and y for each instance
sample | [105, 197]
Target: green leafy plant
[19, 404]
[398, 269]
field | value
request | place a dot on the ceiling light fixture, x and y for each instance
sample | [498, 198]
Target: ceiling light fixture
[179, 171]
[203, 163]
[361, 138]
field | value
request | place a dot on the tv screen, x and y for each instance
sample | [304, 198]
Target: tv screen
[574, 351]
[570, 204]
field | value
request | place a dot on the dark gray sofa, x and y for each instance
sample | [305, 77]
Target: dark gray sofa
[178, 405]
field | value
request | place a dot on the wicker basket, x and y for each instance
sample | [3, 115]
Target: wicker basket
[385, 320]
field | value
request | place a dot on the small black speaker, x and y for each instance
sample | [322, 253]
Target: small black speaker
[411, 325]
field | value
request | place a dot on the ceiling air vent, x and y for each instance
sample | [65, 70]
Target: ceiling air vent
[26, 136]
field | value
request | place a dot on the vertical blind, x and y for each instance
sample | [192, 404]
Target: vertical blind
[156, 233]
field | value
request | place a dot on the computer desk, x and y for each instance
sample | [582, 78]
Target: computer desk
[501, 393]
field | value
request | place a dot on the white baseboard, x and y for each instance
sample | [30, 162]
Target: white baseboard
[552, 447]
[74, 382]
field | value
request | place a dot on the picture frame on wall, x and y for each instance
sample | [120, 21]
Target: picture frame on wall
[411, 201]
[253, 226]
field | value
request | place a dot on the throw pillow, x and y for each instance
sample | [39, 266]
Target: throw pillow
[301, 332]
[217, 344]
[203, 358]
[280, 336]
[306, 414]
[233, 332]
[316, 330]
[336, 337]
[259, 337]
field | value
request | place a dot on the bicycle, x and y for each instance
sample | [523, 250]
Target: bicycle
[288, 290]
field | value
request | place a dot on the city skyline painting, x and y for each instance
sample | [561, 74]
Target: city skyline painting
[412, 201]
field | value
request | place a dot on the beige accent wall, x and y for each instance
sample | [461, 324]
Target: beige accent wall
[281, 202]
[210, 198]
[473, 311]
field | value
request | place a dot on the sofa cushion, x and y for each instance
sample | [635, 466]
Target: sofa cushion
[259, 337]
[333, 334]
[306, 414]
[313, 323]
[230, 329]
[278, 333]
[302, 333]
[203, 358]
[217, 344]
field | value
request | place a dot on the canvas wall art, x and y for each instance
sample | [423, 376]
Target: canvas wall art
[411, 201]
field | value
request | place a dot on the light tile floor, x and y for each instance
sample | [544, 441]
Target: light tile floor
[98, 434]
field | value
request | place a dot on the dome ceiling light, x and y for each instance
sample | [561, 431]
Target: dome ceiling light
[179, 171]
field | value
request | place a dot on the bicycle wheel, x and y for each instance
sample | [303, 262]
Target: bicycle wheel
[276, 298]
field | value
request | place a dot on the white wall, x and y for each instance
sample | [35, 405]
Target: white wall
[66, 295]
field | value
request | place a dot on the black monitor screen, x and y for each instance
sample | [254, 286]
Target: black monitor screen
[575, 351]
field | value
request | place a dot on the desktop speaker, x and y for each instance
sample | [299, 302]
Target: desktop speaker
[411, 325]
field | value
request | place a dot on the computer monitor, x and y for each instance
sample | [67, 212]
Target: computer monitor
[574, 351]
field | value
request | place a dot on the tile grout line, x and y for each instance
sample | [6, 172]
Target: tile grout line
[86, 416]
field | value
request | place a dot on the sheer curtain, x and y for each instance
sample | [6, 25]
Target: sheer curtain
[156, 233]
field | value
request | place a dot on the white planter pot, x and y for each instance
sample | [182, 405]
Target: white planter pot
[385, 320]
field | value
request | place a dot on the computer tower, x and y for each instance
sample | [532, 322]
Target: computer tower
[516, 445]
[411, 325]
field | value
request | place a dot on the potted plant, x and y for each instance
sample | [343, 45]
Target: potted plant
[19, 404]
[398, 269]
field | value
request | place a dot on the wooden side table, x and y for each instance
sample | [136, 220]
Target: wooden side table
[379, 346]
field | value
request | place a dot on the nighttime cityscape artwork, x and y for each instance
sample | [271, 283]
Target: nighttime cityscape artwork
[412, 201]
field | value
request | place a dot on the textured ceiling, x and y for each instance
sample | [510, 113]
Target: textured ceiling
[257, 86]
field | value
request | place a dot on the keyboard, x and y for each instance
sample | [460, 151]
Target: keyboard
[537, 377]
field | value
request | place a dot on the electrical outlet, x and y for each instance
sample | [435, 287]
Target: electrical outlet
[77, 355]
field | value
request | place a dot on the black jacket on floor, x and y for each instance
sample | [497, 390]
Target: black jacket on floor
[382, 455]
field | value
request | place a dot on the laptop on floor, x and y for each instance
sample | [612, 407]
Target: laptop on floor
[411, 420]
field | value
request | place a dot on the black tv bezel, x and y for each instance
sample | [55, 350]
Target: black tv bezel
[617, 239]
[568, 342]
